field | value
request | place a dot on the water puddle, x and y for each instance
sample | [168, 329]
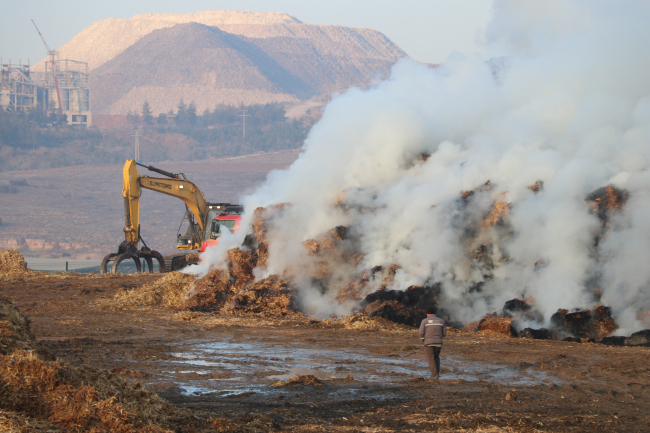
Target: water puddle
[242, 369]
[295, 371]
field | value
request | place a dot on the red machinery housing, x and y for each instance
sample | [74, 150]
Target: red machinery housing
[230, 220]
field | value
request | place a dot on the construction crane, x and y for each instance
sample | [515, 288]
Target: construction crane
[52, 55]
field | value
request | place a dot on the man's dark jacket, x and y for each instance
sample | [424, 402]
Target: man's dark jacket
[432, 330]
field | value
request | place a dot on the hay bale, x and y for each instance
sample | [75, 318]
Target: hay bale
[613, 341]
[578, 324]
[497, 325]
[396, 312]
[326, 243]
[537, 186]
[262, 255]
[522, 309]
[360, 321]
[270, 297]
[12, 265]
[321, 270]
[259, 224]
[604, 324]
[340, 232]
[313, 247]
[390, 277]
[498, 215]
[538, 334]
[605, 200]
[407, 307]
[354, 291]
[261, 217]
[640, 338]
[241, 265]
[168, 291]
[15, 332]
[306, 379]
[209, 293]
[471, 327]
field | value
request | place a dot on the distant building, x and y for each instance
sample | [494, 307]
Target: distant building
[18, 92]
[73, 90]
[21, 91]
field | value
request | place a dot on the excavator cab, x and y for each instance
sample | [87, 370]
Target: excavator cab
[218, 225]
[222, 217]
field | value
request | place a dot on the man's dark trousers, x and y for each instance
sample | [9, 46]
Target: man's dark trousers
[433, 359]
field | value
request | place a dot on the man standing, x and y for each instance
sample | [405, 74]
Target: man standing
[432, 331]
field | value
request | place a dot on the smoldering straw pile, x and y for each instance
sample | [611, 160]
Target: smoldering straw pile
[553, 114]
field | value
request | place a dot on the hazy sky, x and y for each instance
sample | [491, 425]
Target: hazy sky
[427, 30]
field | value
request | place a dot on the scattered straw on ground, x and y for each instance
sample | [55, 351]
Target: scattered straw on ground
[245, 424]
[78, 398]
[12, 422]
[168, 291]
[34, 385]
[301, 379]
[362, 322]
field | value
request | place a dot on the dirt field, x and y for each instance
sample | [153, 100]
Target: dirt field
[365, 379]
[78, 211]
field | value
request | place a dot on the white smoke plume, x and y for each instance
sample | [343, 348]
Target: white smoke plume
[561, 94]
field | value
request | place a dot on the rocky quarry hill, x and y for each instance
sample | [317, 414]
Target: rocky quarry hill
[223, 57]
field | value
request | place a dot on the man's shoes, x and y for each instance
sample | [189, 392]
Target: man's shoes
[434, 377]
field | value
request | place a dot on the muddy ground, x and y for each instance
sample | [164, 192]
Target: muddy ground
[370, 379]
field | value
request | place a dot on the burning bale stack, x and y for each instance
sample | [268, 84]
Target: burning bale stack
[59, 396]
[331, 265]
[235, 291]
[595, 325]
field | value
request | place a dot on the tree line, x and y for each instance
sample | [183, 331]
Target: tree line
[33, 139]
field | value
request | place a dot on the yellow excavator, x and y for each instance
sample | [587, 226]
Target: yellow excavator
[204, 219]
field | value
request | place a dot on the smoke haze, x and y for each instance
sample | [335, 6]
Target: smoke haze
[564, 99]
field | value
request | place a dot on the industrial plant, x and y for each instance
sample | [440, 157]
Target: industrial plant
[63, 88]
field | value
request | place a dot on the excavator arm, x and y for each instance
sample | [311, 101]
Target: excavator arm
[175, 186]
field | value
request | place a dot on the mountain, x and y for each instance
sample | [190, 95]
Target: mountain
[223, 57]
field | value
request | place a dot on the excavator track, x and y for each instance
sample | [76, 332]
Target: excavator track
[176, 262]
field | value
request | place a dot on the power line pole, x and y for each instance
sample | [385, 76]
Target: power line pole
[244, 116]
[137, 144]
